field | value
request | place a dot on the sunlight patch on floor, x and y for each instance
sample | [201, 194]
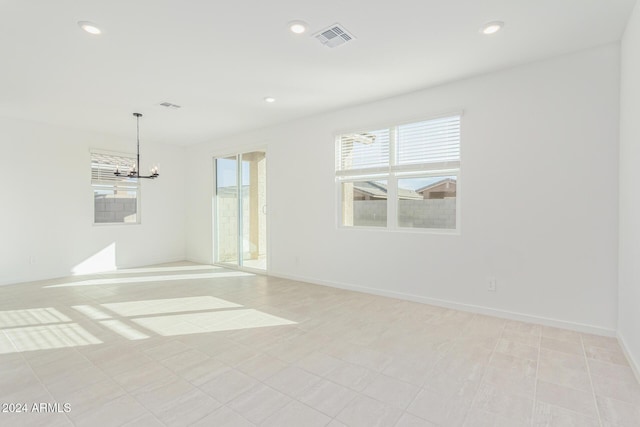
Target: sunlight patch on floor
[166, 306]
[195, 323]
[50, 337]
[31, 316]
[124, 330]
[147, 279]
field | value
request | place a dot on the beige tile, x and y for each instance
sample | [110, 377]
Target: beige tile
[262, 366]
[503, 403]
[624, 390]
[610, 370]
[17, 382]
[392, 391]
[158, 398]
[563, 360]
[146, 377]
[183, 361]
[517, 349]
[572, 378]
[90, 398]
[564, 369]
[228, 385]
[296, 414]
[615, 413]
[364, 411]
[522, 386]
[319, 363]
[569, 347]
[413, 370]
[590, 340]
[359, 358]
[235, 355]
[561, 334]
[546, 415]
[367, 357]
[292, 380]
[478, 418]
[568, 398]
[523, 327]
[442, 408]
[614, 356]
[37, 419]
[352, 376]
[223, 417]
[166, 349]
[186, 408]
[203, 372]
[327, 397]
[408, 420]
[114, 413]
[529, 339]
[148, 420]
[258, 403]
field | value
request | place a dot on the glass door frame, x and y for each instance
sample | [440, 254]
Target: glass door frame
[239, 265]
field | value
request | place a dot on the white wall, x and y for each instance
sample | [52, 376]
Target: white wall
[629, 320]
[539, 196]
[46, 205]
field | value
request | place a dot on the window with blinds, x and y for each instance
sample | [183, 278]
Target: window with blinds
[404, 176]
[116, 198]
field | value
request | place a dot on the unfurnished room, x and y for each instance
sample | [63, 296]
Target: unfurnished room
[340, 213]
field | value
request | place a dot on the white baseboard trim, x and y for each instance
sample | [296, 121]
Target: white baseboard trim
[635, 366]
[510, 315]
[61, 274]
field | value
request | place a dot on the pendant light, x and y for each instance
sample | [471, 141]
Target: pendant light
[134, 172]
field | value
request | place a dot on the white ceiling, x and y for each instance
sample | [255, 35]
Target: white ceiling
[219, 59]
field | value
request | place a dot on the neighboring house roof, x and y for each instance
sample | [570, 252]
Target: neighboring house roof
[375, 189]
[435, 184]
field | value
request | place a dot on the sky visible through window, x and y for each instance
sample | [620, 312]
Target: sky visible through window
[226, 173]
[415, 183]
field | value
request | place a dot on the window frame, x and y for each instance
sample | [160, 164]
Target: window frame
[92, 185]
[392, 175]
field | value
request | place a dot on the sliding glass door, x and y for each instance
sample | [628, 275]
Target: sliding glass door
[240, 220]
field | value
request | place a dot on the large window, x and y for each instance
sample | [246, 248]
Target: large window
[115, 199]
[405, 176]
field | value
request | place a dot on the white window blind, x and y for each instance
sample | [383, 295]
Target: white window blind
[367, 151]
[432, 143]
[428, 145]
[103, 167]
[404, 177]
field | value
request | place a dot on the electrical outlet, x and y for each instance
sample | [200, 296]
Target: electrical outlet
[491, 284]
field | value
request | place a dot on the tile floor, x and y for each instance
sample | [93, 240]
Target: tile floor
[185, 344]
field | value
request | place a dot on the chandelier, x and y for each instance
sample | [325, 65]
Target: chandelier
[134, 173]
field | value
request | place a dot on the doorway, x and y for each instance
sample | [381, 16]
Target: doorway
[240, 215]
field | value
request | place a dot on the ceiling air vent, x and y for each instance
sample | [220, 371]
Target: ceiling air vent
[334, 36]
[169, 105]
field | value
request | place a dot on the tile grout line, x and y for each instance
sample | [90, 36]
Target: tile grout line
[535, 384]
[111, 377]
[457, 337]
[593, 390]
[484, 374]
[36, 375]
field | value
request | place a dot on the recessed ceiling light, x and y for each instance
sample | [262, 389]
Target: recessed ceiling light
[297, 27]
[89, 27]
[269, 99]
[491, 27]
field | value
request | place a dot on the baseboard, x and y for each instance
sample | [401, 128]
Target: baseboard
[510, 315]
[62, 274]
[635, 366]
